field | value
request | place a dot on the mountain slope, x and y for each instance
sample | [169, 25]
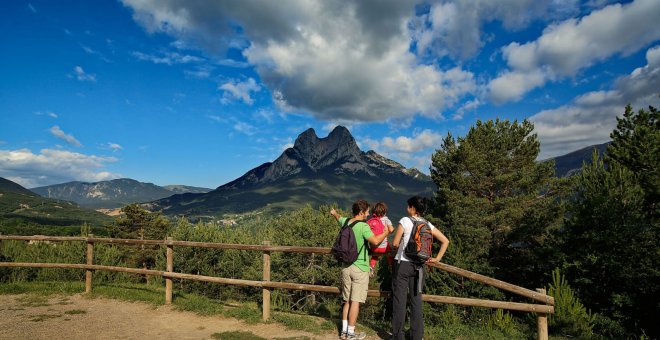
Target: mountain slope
[9, 186]
[314, 171]
[571, 163]
[27, 213]
[106, 194]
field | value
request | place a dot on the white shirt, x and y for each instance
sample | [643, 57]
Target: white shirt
[407, 225]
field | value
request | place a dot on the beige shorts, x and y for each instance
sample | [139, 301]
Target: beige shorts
[354, 284]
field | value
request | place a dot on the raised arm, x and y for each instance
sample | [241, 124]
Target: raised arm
[334, 213]
[444, 243]
[377, 239]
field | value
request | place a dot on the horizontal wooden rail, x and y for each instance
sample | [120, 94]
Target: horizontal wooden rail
[496, 283]
[315, 250]
[524, 307]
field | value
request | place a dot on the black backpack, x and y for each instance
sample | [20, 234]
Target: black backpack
[418, 249]
[345, 247]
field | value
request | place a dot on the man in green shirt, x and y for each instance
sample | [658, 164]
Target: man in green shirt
[355, 277]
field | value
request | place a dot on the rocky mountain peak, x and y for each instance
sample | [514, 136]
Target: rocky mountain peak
[319, 152]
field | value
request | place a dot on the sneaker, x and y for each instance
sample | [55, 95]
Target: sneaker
[357, 336]
[343, 335]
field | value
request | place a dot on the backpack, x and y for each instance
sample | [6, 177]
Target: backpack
[376, 225]
[418, 249]
[345, 247]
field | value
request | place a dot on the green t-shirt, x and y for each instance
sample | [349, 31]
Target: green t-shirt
[362, 232]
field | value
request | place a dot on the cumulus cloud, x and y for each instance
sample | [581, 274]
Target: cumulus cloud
[51, 166]
[57, 132]
[590, 118]
[454, 28]
[574, 44]
[332, 60]
[420, 141]
[80, 74]
[236, 90]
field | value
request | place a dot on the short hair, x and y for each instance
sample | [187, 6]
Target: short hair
[359, 206]
[380, 209]
[419, 203]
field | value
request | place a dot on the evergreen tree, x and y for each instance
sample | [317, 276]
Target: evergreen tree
[497, 203]
[138, 223]
[612, 234]
[636, 146]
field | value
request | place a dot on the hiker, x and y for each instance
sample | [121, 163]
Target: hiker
[355, 275]
[408, 276]
[378, 223]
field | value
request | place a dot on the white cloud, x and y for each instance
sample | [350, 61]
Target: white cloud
[47, 113]
[332, 60]
[420, 140]
[112, 146]
[168, 58]
[57, 132]
[245, 128]
[32, 9]
[574, 44]
[239, 90]
[52, 167]
[80, 74]
[590, 118]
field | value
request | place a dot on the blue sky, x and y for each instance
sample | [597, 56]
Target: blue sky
[200, 92]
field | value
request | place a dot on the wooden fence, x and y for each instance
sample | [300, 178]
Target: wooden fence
[541, 310]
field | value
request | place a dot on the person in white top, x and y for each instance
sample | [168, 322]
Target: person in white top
[408, 277]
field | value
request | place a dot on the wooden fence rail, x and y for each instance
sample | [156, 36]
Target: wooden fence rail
[542, 310]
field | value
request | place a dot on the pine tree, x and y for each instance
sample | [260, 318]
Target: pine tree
[499, 205]
[612, 234]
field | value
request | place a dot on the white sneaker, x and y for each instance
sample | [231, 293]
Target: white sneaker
[357, 336]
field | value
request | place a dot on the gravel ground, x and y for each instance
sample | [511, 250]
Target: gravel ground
[76, 317]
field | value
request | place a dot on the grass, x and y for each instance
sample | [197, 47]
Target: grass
[75, 311]
[236, 335]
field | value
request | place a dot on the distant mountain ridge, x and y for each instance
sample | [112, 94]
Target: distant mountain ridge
[571, 163]
[10, 186]
[19, 206]
[111, 194]
[314, 171]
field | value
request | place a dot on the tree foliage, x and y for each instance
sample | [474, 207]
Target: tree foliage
[499, 205]
[612, 233]
[138, 223]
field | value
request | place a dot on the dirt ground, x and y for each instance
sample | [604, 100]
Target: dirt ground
[76, 317]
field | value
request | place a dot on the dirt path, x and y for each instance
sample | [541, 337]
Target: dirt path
[75, 317]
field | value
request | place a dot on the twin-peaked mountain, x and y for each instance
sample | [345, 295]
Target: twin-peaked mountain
[314, 171]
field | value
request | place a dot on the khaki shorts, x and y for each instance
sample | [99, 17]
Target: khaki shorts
[354, 284]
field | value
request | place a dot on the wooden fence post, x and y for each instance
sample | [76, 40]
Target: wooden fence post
[542, 321]
[266, 291]
[90, 261]
[170, 268]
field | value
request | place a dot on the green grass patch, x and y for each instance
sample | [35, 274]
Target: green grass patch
[42, 288]
[130, 292]
[304, 323]
[248, 312]
[236, 335]
[33, 301]
[44, 317]
[75, 311]
[197, 304]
